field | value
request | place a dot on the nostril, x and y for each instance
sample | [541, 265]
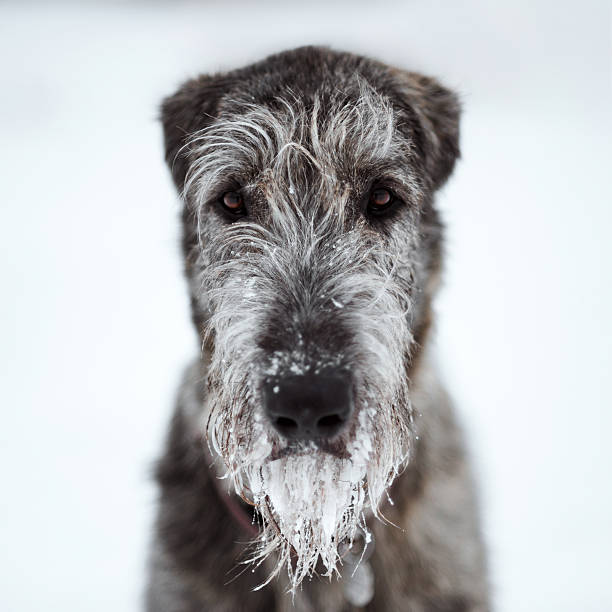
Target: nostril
[286, 425]
[329, 422]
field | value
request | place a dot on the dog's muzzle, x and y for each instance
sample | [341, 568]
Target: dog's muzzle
[310, 406]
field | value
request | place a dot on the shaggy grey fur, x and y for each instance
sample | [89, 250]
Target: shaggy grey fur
[310, 278]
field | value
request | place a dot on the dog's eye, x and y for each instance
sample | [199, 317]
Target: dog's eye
[232, 202]
[380, 200]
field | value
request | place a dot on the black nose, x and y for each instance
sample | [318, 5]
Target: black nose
[309, 407]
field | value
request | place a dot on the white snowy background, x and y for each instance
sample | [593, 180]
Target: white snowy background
[94, 322]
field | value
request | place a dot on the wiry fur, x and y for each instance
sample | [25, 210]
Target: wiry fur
[308, 283]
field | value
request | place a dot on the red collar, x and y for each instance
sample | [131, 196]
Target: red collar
[236, 507]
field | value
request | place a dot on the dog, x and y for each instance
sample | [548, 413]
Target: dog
[313, 461]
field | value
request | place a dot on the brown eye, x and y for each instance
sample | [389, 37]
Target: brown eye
[233, 202]
[380, 200]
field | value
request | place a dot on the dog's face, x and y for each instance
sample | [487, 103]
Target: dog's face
[311, 249]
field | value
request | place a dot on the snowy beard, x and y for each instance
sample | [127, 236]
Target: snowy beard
[312, 503]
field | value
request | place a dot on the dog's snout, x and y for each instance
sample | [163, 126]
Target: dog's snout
[309, 407]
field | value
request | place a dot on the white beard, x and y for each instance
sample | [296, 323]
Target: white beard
[316, 501]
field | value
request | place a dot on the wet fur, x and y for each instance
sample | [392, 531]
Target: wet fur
[307, 282]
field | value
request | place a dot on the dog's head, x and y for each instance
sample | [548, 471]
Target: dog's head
[312, 250]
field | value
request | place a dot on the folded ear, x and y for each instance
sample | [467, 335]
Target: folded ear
[192, 108]
[435, 111]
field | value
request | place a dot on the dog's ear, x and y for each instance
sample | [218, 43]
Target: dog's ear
[435, 112]
[190, 109]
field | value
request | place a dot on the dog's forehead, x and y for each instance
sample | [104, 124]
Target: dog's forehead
[324, 119]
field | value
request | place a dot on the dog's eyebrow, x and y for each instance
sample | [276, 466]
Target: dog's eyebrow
[358, 133]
